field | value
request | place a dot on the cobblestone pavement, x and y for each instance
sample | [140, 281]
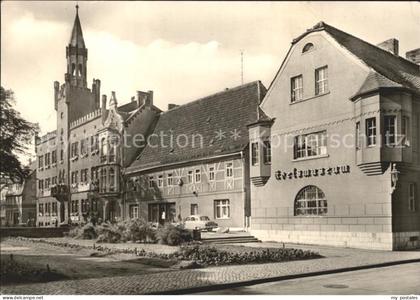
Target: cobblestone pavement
[336, 258]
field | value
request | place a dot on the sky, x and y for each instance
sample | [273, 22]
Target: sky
[180, 50]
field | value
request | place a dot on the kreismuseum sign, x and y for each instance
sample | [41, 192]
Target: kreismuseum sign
[296, 174]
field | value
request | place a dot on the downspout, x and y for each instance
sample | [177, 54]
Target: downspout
[244, 189]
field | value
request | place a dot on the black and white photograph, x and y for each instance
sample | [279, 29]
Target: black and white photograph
[210, 148]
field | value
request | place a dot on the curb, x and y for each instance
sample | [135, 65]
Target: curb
[223, 286]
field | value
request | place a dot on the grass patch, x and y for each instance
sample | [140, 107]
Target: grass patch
[13, 271]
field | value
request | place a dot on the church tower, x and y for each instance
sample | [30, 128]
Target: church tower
[76, 54]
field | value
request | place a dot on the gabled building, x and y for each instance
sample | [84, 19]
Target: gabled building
[196, 161]
[79, 163]
[344, 128]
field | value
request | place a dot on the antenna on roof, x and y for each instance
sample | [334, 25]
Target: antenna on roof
[242, 67]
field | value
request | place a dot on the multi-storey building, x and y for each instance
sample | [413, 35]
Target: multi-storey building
[344, 129]
[196, 161]
[19, 201]
[79, 163]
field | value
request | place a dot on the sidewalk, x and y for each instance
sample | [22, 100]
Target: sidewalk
[185, 281]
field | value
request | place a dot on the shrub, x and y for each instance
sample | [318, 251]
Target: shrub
[110, 233]
[86, 232]
[139, 230]
[172, 236]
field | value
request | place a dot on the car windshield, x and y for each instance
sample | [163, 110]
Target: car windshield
[204, 218]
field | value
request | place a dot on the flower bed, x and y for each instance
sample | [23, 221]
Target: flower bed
[204, 255]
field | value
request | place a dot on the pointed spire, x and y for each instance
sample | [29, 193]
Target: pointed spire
[76, 39]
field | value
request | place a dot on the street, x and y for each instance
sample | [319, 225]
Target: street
[401, 280]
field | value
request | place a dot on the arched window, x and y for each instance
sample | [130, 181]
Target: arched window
[307, 47]
[310, 201]
[111, 179]
[80, 70]
[73, 69]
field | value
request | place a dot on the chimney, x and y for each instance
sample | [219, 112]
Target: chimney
[391, 45]
[149, 99]
[103, 108]
[171, 106]
[141, 98]
[56, 92]
[413, 55]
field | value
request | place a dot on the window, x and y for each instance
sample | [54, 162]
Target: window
[229, 169]
[54, 209]
[40, 161]
[358, 135]
[54, 180]
[111, 179]
[41, 184]
[194, 209]
[84, 175]
[151, 182]
[412, 196]
[94, 143]
[221, 209]
[197, 176]
[170, 179]
[103, 180]
[296, 88]
[61, 155]
[54, 157]
[310, 201]
[254, 154]
[371, 131]
[160, 181]
[94, 205]
[405, 131]
[47, 183]
[93, 174]
[307, 47]
[309, 145]
[74, 149]
[85, 205]
[84, 147]
[190, 177]
[103, 150]
[211, 174]
[41, 209]
[267, 152]
[111, 153]
[74, 176]
[134, 211]
[321, 81]
[47, 209]
[390, 130]
[47, 160]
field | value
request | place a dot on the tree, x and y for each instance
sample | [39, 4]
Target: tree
[16, 133]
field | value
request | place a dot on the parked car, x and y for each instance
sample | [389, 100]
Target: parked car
[199, 222]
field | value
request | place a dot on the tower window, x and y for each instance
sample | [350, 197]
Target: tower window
[73, 69]
[79, 70]
[307, 47]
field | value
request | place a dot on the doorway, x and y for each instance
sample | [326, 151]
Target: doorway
[162, 213]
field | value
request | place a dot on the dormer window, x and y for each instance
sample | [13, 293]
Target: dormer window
[307, 47]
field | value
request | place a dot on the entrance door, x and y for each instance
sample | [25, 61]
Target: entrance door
[15, 218]
[162, 213]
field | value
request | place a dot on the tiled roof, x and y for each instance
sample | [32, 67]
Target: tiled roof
[220, 119]
[391, 70]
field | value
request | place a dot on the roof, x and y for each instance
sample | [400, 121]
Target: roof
[388, 70]
[76, 39]
[218, 122]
